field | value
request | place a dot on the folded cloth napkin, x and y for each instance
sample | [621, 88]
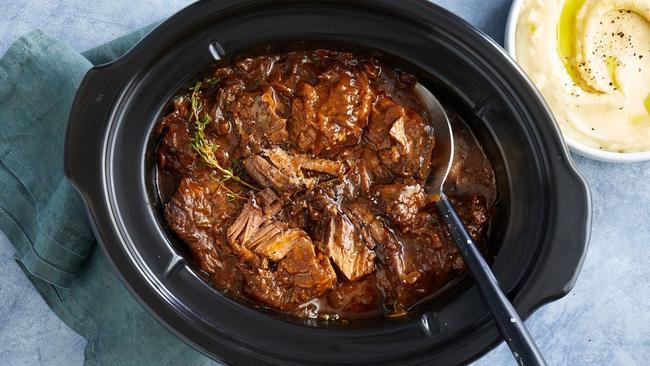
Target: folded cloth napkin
[44, 218]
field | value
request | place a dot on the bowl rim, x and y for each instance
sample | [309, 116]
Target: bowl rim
[574, 145]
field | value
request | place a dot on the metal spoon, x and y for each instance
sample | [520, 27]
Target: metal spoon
[510, 325]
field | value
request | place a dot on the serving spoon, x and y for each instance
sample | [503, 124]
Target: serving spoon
[510, 325]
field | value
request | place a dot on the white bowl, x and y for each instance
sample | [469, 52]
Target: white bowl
[575, 146]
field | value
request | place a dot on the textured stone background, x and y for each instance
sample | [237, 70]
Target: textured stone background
[605, 320]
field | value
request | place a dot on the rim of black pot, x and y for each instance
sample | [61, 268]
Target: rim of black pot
[97, 111]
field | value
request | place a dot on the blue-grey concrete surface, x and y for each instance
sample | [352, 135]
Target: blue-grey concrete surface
[605, 320]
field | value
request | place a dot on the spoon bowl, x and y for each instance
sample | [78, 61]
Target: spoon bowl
[442, 156]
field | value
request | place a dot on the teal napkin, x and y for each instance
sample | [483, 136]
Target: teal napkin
[44, 218]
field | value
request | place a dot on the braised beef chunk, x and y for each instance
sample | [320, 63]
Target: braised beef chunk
[296, 182]
[295, 164]
[338, 236]
[376, 233]
[353, 258]
[401, 203]
[402, 138]
[286, 173]
[175, 153]
[256, 230]
[260, 118]
[274, 240]
[332, 112]
[259, 238]
[474, 212]
[301, 276]
[298, 165]
[361, 296]
[197, 213]
[246, 228]
[267, 175]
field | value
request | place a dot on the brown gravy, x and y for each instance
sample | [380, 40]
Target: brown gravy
[296, 180]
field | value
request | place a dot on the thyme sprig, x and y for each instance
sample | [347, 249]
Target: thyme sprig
[230, 194]
[209, 85]
[206, 150]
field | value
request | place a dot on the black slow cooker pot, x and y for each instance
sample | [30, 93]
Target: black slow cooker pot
[541, 230]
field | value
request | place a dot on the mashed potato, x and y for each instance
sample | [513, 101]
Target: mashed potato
[591, 61]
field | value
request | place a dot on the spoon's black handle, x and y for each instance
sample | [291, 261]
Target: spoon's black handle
[510, 324]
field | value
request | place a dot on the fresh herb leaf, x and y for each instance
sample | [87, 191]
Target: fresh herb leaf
[237, 166]
[208, 85]
[232, 196]
[205, 149]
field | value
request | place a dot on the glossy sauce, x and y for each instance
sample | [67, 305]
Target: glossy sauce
[324, 215]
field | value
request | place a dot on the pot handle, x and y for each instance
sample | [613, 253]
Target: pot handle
[86, 127]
